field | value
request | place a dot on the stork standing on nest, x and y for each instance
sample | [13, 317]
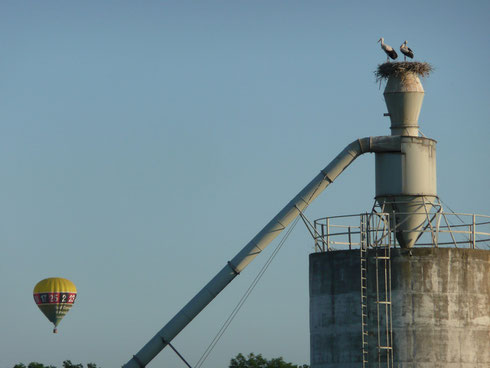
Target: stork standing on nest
[406, 51]
[390, 52]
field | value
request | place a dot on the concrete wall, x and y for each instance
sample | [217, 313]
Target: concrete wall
[440, 310]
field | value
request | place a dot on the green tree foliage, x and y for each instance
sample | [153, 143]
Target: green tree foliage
[69, 364]
[258, 361]
[66, 364]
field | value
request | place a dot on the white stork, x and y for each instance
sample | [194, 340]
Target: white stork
[406, 51]
[390, 52]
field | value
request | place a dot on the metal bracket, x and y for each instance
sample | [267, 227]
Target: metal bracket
[136, 359]
[233, 268]
[325, 176]
[175, 350]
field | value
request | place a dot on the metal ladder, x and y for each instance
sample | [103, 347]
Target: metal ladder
[383, 304]
[364, 298]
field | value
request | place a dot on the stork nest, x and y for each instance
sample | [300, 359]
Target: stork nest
[402, 69]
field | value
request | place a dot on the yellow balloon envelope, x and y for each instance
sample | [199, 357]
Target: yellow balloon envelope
[55, 296]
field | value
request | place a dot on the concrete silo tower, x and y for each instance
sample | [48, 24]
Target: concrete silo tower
[405, 285]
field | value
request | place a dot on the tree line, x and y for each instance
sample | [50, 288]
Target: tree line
[240, 361]
[66, 364]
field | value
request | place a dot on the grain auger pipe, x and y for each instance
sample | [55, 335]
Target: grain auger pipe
[259, 243]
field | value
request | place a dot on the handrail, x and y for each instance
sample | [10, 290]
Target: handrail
[475, 231]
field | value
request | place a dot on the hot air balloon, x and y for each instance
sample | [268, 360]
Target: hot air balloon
[55, 296]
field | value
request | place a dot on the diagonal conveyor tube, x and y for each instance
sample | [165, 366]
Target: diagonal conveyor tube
[259, 242]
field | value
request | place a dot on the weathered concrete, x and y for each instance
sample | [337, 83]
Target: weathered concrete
[440, 310]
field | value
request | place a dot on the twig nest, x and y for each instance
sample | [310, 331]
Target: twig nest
[402, 70]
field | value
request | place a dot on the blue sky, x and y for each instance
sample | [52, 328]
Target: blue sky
[144, 143]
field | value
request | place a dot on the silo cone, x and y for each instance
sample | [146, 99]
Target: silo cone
[406, 180]
[410, 213]
[404, 96]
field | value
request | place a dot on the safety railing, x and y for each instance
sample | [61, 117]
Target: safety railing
[441, 229]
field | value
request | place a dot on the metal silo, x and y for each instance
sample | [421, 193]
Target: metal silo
[405, 284]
